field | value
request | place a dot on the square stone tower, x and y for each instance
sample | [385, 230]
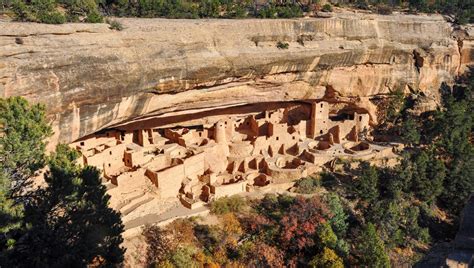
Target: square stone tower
[319, 119]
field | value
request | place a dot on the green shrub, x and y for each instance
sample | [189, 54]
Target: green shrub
[183, 257]
[94, 17]
[282, 45]
[327, 8]
[268, 12]
[228, 204]
[384, 9]
[307, 185]
[43, 11]
[237, 11]
[209, 9]
[53, 17]
[21, 11]
[362, 4]
[115, 25]
[289, 12]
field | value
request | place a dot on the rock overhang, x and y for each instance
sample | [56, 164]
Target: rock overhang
[92, 78]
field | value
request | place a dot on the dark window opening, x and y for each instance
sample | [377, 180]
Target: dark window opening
[342, 117]
[82, 143]
[277, 138]
[321, 131]
[360, 118]
[110, 152]
[321, 105]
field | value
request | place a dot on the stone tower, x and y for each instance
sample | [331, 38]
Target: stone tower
[362, 121]
[319, 118]
[220, 132]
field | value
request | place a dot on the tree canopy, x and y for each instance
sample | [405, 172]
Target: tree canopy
[65, 223]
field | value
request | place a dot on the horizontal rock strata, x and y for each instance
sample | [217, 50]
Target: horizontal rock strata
[91, 77]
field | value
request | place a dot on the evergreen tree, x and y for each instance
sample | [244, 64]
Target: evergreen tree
[428, 176]
[452, 134]
[372, 250]
[23, 130]
[409, 131]
[367, 183]
[339, 219]
[459, 184]
[453, 126]
[69, 224]
[387, 215]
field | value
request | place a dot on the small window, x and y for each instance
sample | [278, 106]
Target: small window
[82, 143]
[200, 134]
[321, 131]
[360, 118]
[277, 138]
[321, 105]
[225, 122]
[294, 137]
[109, 164]
[110, 152]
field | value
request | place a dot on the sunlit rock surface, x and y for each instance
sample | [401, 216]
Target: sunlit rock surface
[91, 77]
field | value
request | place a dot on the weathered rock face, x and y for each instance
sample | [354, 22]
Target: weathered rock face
[91, 77]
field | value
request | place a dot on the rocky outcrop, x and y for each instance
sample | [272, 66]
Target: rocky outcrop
[91, 77]
[462, 255]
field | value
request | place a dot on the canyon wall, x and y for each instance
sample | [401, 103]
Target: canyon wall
[91, 77]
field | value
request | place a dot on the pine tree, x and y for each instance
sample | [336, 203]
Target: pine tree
[452, 133]
[428, 176]
[372, 250]
[23, 130]
[367, 183]
[459, 184]
[339, 219]
[409, 131]
[69, 223]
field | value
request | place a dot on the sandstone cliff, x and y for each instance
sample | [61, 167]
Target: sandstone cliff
[91, 77]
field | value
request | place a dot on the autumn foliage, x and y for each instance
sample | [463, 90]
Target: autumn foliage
[276, 231]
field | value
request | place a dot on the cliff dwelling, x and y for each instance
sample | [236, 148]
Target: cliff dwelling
[224, 153]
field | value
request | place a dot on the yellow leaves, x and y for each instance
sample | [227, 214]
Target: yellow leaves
[231, 225]
[327, 259]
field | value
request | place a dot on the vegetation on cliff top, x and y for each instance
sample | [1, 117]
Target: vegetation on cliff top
[92, 11]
